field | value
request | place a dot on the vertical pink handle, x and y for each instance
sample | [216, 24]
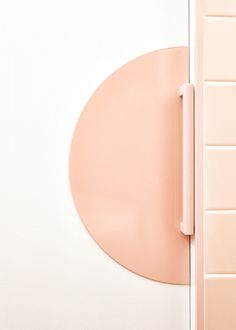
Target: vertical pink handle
[187, 94]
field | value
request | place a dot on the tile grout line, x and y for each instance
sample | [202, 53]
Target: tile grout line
[222, 211]
[209, 276]
[220, 83]
[219, 17]
[219, 147]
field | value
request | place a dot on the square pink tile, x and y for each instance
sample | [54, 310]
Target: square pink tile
[220, 304]
[220, 179]
[219, 50]
[220, 243]
[220, 114]
[220, 7]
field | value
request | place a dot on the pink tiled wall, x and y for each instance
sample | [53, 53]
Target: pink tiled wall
[218, 86]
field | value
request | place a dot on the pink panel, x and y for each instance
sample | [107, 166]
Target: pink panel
[125, 166]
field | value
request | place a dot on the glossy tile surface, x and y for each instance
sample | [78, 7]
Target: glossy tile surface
[219, 51]
[220, 114]
[220, 304]
[220, 179]
[216, 141]
[220, 243]
[220, 7]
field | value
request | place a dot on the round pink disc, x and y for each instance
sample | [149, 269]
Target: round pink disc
[125, 166]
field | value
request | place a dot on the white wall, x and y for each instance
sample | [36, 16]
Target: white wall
[53, 55]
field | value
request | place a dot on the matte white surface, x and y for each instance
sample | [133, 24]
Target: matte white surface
[53, 54]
